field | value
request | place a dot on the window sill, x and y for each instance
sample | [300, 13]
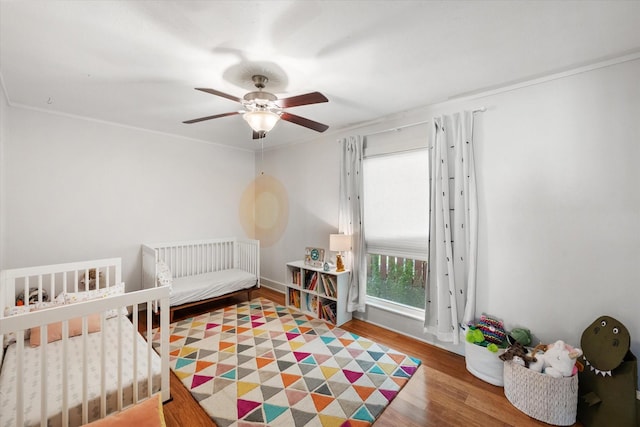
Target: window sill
[392, 307]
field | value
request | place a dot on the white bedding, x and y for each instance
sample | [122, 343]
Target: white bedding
[54, 377]
[209, 285]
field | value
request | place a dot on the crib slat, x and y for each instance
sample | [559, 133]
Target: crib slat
[52, 286]
[43, 372]
[164, 347]
[25, 298]
[119, 404]
[103, 366]
[85, 372]
[65, 370]
[39, 294]
[135, 354]
[19, 378]
[149, 352]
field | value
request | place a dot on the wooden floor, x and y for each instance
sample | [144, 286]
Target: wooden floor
[441, 392]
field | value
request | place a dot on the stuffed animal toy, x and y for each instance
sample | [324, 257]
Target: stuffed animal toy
[33, 296]
[474, 335]
[88, 281]
[560, 359]
[492, 329]
[521, 335]
[519, 354]
[607, 385]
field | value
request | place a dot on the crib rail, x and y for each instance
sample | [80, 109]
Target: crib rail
[43, 319]
[57, 278]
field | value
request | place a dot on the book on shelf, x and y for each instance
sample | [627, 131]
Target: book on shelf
[295, 275]
[323, 280]
[294, 298]
[325, 286]
[328, 311]
[307, 281]
[312, 281]
[312, 303]
[329, 285]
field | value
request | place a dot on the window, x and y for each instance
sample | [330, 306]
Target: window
[396, 209]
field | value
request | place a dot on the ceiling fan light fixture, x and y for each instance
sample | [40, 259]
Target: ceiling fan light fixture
[261, 120]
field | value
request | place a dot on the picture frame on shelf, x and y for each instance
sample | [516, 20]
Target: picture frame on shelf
[314, 257]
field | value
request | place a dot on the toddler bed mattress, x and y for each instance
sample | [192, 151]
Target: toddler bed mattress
[54, 354]
[209, 285]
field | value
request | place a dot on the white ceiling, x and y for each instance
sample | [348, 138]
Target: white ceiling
[136, 62]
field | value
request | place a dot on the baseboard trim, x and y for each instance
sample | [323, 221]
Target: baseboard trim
[273, 285]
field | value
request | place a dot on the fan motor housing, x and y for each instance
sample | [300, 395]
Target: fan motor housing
[260, 95]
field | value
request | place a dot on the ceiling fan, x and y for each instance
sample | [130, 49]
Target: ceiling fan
[262, 110]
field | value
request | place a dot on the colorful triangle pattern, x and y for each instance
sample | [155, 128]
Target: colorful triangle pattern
[262, 364]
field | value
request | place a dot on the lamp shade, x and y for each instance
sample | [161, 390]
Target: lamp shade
[261, 121]
[339, 242]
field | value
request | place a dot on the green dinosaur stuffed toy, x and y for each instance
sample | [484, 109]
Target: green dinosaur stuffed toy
[607, 385]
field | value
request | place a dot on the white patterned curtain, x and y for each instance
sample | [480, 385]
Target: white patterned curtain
[453, 228]
[350, 219]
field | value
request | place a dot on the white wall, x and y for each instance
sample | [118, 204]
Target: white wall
[559, 196]
[4, 113]
[309, 174]
[77, 189]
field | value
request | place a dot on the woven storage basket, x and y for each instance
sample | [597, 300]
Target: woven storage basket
[541, 396]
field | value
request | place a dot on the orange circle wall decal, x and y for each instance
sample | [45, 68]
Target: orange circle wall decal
[264, 210]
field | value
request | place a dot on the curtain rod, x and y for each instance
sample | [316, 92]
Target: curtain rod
[397, 128]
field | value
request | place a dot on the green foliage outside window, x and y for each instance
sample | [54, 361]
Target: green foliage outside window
[402, 282]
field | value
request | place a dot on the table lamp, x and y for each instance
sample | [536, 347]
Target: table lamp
[339, 243]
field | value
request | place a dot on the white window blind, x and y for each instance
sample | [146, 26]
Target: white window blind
[406, 138]
[396, 195]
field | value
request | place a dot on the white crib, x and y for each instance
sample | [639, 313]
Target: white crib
[203, 270]
[72, 380]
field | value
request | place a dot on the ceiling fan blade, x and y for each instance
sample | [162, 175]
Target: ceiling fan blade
[217, 92]
[259, 135]
[201, 119]
[306, 99]
[319, 127]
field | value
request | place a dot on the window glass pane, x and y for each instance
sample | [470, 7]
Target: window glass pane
[397, 279]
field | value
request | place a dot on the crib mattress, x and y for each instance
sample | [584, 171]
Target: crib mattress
[31, 378]
[209, 285]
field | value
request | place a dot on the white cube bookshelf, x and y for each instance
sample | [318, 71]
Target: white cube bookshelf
[318, 293]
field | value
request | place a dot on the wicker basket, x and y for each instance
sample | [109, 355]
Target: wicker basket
[543, 397]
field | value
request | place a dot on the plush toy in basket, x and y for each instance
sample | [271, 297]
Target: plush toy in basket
[608, 382]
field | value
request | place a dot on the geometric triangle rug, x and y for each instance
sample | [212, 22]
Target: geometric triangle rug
[258, 363]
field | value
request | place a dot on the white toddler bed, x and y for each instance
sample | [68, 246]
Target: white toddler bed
[203, 270]
[90, 361]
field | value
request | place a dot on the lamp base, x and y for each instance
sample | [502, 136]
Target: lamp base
[339, 264]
